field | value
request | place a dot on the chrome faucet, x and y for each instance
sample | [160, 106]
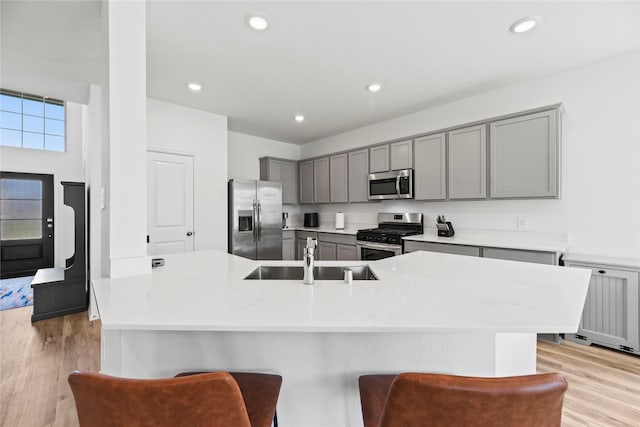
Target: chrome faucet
[309, 252]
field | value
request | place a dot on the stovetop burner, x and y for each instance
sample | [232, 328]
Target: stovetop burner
[392, 228]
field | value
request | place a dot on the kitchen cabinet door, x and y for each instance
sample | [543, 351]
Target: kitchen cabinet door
[300, 245]
[326, 251]
[289, 183]
[288, 248]
[379, 158]
[402, 155]
[306, 182]
[346, 253]
[467, 165]
[610, 314]
[430, 178]
[282, 171]
[321, 180]
[338, 179]
[537, 257]
[524, 153]
[358, 176]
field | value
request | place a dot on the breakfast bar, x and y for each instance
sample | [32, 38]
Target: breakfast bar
[428, 312]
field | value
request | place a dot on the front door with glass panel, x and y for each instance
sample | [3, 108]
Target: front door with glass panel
[26, 223]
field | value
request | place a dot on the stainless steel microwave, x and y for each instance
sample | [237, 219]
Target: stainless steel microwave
[391, 185]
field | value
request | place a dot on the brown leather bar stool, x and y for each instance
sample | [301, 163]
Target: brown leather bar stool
[413, 399]
[211, 399]
[260, 393]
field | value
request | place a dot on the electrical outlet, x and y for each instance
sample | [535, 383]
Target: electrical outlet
[523, 222]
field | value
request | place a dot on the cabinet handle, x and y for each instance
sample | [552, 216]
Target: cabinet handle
[601, 271]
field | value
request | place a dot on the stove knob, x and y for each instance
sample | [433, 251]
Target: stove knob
[383, 239]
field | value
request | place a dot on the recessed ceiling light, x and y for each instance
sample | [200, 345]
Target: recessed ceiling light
[257, 21]
[194, 86]
[524, 24]
[298, 118]
[374, 87]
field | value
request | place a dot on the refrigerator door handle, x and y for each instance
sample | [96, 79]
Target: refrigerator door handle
[254, 222]
[259, 221]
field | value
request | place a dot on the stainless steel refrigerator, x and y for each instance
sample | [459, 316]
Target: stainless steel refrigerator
[255, 219]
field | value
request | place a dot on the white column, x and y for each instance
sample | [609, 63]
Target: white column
[127, 201]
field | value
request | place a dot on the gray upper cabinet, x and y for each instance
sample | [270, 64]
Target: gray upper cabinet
[283, 171]
[402, 155]
[321, 180]
[467, 165]
[430, 178]
[306, 182]
[338, 180]
[524, 156]
[358, 171]
[379, 158]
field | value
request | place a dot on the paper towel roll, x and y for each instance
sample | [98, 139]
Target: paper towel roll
[339, 221]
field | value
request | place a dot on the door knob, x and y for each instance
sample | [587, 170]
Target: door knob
[189, 233]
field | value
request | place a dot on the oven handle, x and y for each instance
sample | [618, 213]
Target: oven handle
[381, 246]
[398, 185]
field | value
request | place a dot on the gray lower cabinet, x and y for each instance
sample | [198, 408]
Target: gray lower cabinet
[283, 171]
[401, 155]
[538, 257]
[412, 246]
[338, 179]
[610, 315]
[524, 156]
[346, 252]
[379, 158]
[321, 180]
[326, 251]
[467, 163]
[288, 245]
[336, 247]
[358, 176]
[430, 172]
[306, 182]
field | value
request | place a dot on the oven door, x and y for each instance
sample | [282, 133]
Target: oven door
[368, 251]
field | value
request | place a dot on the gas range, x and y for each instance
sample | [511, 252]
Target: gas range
[384, 235]
[386, 240]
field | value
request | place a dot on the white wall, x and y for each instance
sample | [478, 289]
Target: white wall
[600, 158]
[246, 150]
[127, 202]
[67, 166]
[176, 129]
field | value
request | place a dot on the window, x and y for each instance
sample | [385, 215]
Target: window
[20, 209]
[31, 121]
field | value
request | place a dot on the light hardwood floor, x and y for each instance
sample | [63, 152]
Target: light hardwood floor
[35, 360]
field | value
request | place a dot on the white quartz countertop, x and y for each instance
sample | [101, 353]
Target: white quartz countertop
[324, 229]
[547, 242]
[421, 291]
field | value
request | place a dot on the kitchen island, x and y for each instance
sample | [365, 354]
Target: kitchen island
[427, 312]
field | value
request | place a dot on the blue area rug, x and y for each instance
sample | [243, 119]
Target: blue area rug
[15, 292]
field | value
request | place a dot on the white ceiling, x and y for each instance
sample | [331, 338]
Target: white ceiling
[317, 57]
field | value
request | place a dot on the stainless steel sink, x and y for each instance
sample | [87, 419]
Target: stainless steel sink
[284, 272]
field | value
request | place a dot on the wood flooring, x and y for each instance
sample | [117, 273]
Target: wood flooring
[35, 360]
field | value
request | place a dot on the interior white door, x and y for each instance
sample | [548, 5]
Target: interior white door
[169, 203]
